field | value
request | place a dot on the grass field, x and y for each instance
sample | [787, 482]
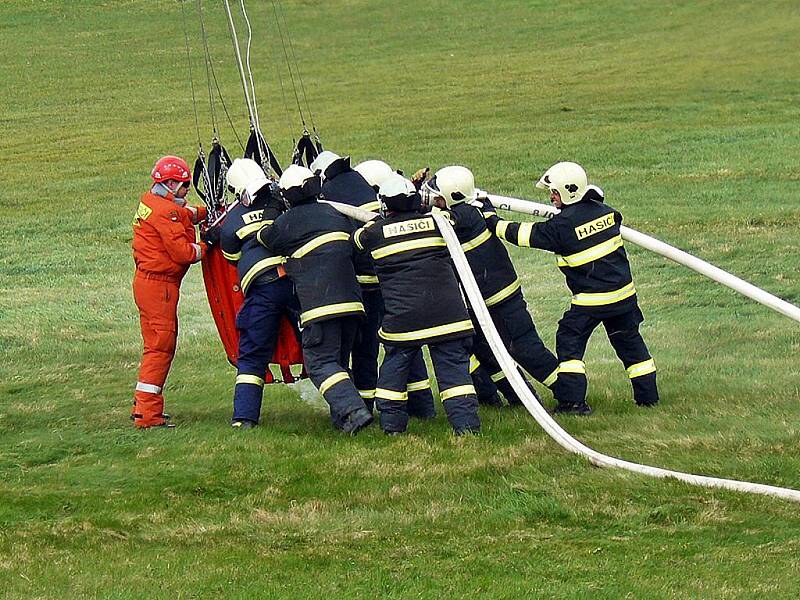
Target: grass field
[686, 112]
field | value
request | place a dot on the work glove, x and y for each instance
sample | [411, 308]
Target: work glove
[210, 235]
[419, 177]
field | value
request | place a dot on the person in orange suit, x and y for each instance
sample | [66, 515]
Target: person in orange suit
[164, 245]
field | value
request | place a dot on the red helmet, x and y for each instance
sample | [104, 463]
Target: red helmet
[170, 167]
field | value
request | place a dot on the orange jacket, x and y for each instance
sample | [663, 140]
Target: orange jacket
[164, 240]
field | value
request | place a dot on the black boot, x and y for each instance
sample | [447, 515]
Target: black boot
[581, 410]
[357, 420]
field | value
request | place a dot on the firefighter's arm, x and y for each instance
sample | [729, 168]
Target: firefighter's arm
[197, 214]
[512, 232]
[173, 236]
[527, 235]
[360, 237]
[230, 244]
[269, 237]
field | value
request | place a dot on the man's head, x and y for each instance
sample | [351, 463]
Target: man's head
[398, 194]
[173, 173]
[566, 182]
[449, 186]
[329, 164]
[375, 172]
[246, 177]
[299, 185]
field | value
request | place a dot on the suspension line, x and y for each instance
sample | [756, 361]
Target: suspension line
[191, 78]
[263, 150]
[297, 69]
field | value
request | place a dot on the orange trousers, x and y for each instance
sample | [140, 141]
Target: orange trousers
[156, 297]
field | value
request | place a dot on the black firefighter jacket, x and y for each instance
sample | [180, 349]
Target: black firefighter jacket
[487, 256]
[315, 239]
[239, 244]
[345, 185]
[420, 290]
[586, 240]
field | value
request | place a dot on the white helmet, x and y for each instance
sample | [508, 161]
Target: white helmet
[568, 179]
[324, 159]
[455, 184]
[374, 171]
[398, 194]
[246, 177]
[298, 185]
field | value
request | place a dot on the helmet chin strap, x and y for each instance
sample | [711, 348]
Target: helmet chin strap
[174, 194]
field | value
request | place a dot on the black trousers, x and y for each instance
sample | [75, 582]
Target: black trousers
[326, 352]
[257, 322]
[516, 329]
[574, 330]
[451, 365]
[365, 361]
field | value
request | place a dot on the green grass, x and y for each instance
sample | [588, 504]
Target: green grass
[687, 113]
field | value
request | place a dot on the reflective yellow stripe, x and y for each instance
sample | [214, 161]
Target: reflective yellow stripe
[524, 235]
[254, 379]
[416, 386]
[391, 395]
[419, 334]
[367, 279]
[357, 238]
[590, 254]
[260, 267]
[503, 294]
[572, 366]
[331, 309]
[332, 381]
[604, 297]
[371, 206]
[320, 240]
[498, 376]
[500, 230]
[426, 242]
[459, 390]
[233, 257]
[476, 241]
[643, 368]
[367, 394]
[474, 363]
[551, 379]
[243, 232]
[488, 213]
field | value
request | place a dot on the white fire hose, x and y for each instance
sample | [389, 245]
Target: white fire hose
[547, 423]
[670, 252]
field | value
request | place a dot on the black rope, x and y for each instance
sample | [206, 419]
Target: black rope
[288, 64]
[191, 78]
[297, 69]
[283, 96]
[207, 56]
[225, 108]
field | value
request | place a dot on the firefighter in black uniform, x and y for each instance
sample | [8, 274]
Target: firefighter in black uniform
[268, 293]
[453, 188]
[423, 307]
[358, 187]
[314, 238]
[585, 236]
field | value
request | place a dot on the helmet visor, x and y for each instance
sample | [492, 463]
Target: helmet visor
[430, 191]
